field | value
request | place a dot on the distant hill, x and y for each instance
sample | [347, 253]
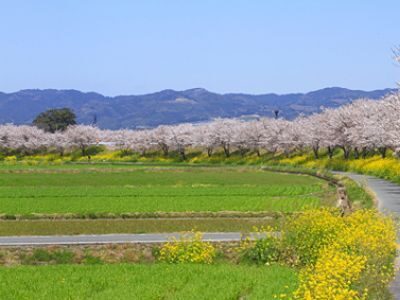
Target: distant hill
[169, 106]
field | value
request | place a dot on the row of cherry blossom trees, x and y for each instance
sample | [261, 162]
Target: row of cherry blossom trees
[360, 127]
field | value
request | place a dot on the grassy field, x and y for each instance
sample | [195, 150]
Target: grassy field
[220, 281]
[94, 189]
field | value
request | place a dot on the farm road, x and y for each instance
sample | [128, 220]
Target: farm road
[111, 239]
[386, 192]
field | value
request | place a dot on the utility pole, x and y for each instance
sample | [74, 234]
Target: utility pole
[95, 119]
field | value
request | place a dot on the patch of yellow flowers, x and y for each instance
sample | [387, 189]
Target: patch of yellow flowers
[332, 277]
[388, 168]
[382, 167]
[349, 257]
[295, 160]
[189, 248]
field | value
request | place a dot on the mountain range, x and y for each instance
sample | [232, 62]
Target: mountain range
[170, 106]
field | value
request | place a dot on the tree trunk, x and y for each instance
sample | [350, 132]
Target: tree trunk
[330, 152]
[226, 150]
[356, 153]
[209, 151]
[346, 152]
[382, 151]
[242, 151]
[364, 152]
[165, 149]
[286, 152]
[182, 153]
[315, 150]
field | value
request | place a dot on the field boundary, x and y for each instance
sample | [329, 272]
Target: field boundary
[147, 216]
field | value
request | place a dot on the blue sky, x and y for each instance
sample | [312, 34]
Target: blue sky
[134, 47]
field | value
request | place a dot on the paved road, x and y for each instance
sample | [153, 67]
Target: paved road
[388, 196]
[387, 193]
[110, 239]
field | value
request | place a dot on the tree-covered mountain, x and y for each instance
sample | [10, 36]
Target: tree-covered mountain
[169, 106]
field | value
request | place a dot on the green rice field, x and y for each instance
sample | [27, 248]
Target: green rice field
[154, 281]
[100, 189]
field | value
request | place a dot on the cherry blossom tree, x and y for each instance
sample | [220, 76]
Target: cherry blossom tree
[255, 134]
[314, 132]
[241, 136]
[161, 136]
[122, 140]
[23, 138]
[223, 131]
[206, 137]
[141, 141]
[82, 136]
[58, 141]
[181, 137]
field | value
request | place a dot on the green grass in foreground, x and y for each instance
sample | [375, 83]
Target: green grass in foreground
[168, 189]
[106, 226]
[156, 281]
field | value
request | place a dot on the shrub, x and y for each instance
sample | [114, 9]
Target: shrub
[63, 257]
[89, 259]
[10, 160]
[40, 256]
[9, 217]
[263, 250]
[189, 248]
[307, 233]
